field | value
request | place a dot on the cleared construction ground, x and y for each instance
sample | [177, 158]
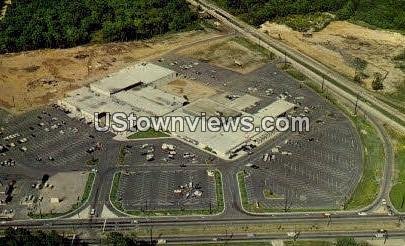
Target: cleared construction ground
[234, 53]
[340, 43]
[32, 79]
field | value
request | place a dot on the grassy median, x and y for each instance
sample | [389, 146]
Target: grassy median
[148, 134]
[115, 200]
[397, 194]
[373, 165]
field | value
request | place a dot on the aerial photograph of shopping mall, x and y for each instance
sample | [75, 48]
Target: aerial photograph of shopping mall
[202, 122]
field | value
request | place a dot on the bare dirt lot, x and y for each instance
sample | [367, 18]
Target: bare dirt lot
[193, 90]
[67, 187]
[235, 54]
[34, 78]
[341, 42]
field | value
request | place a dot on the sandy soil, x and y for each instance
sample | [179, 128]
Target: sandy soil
[193, 90]
[67, 187]
[228, 54]
[340, 42]
[32, 79]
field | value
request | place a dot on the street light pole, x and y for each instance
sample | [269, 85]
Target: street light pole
[357, 104]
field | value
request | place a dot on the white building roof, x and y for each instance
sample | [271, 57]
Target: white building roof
[221, 142]
[88, 102]
[275, 109]
[140, 73]
[150, 100]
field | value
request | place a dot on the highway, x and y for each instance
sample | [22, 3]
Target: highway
[122, 224]
[131, 222]
[257, 238]
[312, 68]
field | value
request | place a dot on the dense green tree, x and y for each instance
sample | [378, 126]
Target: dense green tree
[23, 237]
[33, 24]
[380, 13]
[118, 239]
[377, 83]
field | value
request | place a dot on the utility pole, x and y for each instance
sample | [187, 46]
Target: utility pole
[285, 202]
[73, 239]
[357, 104]
[40, 209]
[329, 219]
[323, 82]
[78, 213]
[105, 222]
[400, 219]
[151, 235]
[285, 59]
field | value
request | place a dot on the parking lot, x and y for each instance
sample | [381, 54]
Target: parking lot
[44, 142]
[318, 169]
[156, 152]
[49, 139]
[167, 189]
[18, 195]
[267, 83]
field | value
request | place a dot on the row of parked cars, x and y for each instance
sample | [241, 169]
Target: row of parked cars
[7, 163]
[148, 150]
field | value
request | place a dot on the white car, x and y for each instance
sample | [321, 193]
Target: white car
[384, 202]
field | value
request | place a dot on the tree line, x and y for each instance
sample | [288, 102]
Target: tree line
[388, 14]
[24, 237]
[34, 24]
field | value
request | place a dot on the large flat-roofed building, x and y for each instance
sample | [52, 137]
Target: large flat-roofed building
[219, 142]
[151, 101]
[125, 79]
[131, 90]
[85, 103]
[210, 108]
[225, 142]
[276, 109]
[135, 90]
